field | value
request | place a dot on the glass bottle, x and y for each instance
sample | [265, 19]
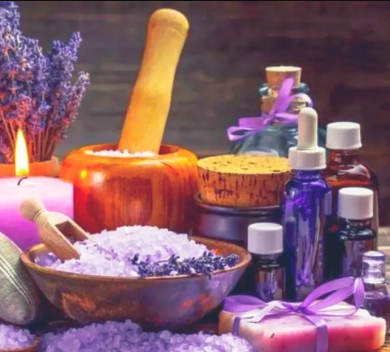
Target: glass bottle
[345, 169]
[265, 243]
[377, 299]
[352, 235]
[307, 198]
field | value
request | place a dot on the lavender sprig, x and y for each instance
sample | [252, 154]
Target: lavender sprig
[36, 90]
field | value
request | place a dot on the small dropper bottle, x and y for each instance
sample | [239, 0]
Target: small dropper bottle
[265, 243]
[377, 300]
[352, 235]
[307, 198]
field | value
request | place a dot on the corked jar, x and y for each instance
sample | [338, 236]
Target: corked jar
[236, 191]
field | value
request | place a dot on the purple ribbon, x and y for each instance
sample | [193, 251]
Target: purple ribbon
[248, 126]
[311, 308]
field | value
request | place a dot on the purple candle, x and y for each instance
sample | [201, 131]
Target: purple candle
[55, 194]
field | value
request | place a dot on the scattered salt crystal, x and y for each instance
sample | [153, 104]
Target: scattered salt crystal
[120, 154]
[13, 338]
[110, 253]
[129, 337]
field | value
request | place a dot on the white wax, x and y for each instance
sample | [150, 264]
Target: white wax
[55, 194]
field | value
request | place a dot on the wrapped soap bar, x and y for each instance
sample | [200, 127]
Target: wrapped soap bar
[311, 326]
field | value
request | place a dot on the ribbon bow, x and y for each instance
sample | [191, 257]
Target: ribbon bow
[311, 309]
[248, 126]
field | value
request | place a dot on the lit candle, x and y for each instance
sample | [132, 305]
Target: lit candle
[54, 193]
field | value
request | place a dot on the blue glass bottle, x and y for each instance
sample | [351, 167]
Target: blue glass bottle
[307, 198]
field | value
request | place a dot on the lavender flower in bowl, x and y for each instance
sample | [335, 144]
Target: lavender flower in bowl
[37, 93]
[109, 283]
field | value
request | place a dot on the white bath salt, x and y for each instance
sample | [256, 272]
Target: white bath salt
[120, 154]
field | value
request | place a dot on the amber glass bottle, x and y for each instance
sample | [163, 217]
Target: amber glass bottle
[345, 169]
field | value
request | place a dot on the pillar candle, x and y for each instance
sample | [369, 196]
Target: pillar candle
[55, 194]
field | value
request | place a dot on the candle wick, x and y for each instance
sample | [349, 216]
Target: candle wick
[23, 178]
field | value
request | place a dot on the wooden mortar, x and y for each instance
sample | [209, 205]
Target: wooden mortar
[242, 180]
[147, 114]
[115, 191]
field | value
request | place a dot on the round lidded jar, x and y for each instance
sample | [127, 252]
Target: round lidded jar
[113, 191]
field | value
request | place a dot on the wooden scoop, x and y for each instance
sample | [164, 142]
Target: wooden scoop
[150, 101]
[54, 229]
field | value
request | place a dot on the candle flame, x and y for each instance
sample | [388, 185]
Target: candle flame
[21, 155]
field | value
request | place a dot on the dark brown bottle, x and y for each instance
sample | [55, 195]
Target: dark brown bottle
[344, 168]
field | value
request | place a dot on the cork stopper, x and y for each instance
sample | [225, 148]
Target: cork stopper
[275, 75]
[242, 180]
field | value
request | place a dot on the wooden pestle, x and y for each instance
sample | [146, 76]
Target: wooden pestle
[150, 101]
[54, 229]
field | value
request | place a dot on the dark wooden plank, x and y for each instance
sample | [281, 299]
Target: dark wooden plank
[342, 46]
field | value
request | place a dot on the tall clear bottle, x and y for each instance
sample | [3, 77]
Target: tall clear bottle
[307, 198]
[344, 169]
[377, 298]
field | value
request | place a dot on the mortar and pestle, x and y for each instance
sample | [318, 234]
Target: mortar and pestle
[113, 191]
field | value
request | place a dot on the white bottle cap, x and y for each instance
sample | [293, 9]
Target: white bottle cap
[265, 238]
[356, 203]
[343, 136]
[307, 155]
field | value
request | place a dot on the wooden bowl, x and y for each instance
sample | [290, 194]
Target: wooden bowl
[34, 347]
[113, 191]
[156, 302]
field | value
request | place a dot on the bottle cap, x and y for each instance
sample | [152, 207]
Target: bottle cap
[356, 203]
[307, 155]
[343, 136]
[265, 238]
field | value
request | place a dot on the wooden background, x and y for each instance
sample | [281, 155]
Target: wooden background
[343, 47]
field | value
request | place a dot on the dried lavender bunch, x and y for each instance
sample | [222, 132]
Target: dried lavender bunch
[36, 90]
[206, 264]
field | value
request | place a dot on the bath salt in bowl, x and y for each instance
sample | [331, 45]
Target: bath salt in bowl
[128, 336]
[13, 339]
[141, 251]
[156, 278]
